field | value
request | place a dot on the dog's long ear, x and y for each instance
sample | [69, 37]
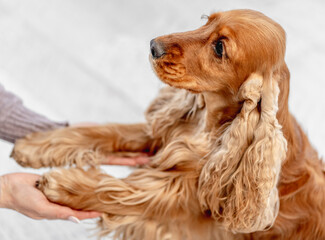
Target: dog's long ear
[237, 185]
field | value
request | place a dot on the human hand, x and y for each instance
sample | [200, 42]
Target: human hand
[18, 192]
[139, 159]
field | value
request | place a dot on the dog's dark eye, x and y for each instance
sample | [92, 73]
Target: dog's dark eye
[218, 48]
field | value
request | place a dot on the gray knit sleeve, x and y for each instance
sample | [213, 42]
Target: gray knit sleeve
[16, 121]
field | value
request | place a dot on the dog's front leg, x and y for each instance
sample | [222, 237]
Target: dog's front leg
[140, 201]
[80, 145]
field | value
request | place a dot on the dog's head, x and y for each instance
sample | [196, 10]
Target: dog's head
[221, 54]
[240, 54]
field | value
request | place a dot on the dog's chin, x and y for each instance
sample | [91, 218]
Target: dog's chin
[182, 83]
[177, 81]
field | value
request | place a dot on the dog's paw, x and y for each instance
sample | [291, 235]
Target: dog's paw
[70, 187]
[52, 187]
[53, 149]
[27, 154]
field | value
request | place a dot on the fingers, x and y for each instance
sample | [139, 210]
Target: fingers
[127, 161]
[85, 215]
[54, 211]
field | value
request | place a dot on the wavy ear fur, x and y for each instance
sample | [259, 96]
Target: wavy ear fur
[238, 182]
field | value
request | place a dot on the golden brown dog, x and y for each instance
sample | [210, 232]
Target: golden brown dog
[229, 161]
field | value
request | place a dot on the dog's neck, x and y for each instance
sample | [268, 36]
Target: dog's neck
[220, 110]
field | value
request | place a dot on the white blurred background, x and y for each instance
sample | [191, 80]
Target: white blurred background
[87, 61]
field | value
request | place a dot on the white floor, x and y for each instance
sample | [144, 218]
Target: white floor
[87, 61]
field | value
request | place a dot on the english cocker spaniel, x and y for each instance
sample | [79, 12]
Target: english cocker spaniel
[229, 161]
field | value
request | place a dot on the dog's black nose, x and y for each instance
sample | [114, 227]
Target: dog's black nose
[156, 48]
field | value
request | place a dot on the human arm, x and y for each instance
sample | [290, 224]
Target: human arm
[16, 120]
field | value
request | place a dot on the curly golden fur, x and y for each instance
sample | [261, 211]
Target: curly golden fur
[228, 159]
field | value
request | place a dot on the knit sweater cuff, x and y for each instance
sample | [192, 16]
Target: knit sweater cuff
[21, 121]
